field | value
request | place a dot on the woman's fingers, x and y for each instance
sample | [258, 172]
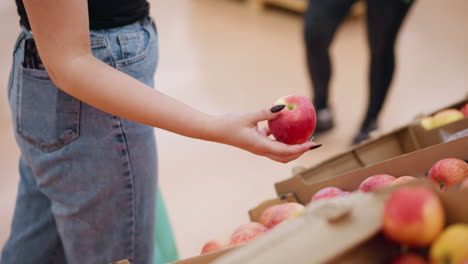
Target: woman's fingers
[264, 131]
[283, 159]
[297, 150]
[254, 138]
[284, 150]
[265, 114]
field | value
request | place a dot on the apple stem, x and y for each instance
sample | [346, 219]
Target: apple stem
[442, 185]
[291, 106]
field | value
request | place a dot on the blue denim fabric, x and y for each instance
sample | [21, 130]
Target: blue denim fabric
[87, 178]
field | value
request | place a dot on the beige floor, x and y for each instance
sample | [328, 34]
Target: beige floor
[220, 57]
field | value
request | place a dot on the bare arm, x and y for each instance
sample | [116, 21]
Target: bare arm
[61, 31]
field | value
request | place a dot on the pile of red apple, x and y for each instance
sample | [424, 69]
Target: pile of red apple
[425, 210]
[414, 218]
[444, 117]
[446, 173]
[270, 217]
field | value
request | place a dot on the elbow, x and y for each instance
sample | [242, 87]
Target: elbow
[64, 73]
[54, 75]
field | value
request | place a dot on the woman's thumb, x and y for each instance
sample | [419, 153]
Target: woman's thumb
[268, 113]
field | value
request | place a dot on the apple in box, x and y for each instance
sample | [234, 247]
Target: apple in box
[446, 116]
[296, 123]
[403, 180]
[246, 233]
[426, 122]
[328, 192]
[215, 245]
[464, 109]
[376, 182]
[279, 213]
[448, 172]
[413, 216]
[451, 246]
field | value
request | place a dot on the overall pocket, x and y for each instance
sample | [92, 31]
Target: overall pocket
[46, 117]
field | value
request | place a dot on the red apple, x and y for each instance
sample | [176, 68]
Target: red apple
[328, 192]
[448, 172]
[408, 259]
[295, 124]
[376, 182]
[413, 216]
[403, 179]
[276, 214]
[464, 109]
[214, 245]
[246, 233]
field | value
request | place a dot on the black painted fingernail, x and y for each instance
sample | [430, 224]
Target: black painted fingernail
[277, 108]
[316, 146]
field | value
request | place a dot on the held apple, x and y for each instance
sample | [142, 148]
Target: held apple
[295, 124]
[448, 172]
[413, 216]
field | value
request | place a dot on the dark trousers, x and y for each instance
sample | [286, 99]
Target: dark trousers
[384, 19]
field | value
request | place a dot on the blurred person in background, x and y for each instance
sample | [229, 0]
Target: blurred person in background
[384, 20]
[83, 111]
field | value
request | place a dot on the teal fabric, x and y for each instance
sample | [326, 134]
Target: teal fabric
[165, 250]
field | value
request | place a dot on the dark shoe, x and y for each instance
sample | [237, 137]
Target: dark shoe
[324, 120]
[364, 133]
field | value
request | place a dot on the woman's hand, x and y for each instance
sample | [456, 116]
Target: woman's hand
[242, 131]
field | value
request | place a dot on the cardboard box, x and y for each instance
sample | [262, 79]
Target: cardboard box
[347, 229]
[413, 163]
[438, 135]
[383, 147]
[355, 238]
[435, 136]
[350, 164]
[321, 225]
[210, 257]
[327, 233]
[387, 146]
